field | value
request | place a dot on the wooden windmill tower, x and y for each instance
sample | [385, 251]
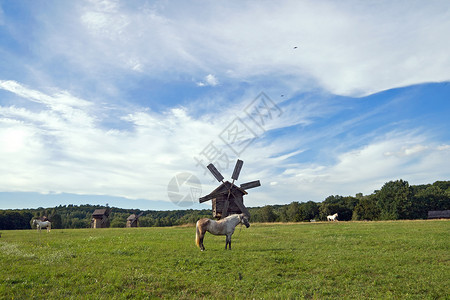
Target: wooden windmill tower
[132, 220]
[227, 198]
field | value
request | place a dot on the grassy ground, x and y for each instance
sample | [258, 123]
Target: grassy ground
[401, 260]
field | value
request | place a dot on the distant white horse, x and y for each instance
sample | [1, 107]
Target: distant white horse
[332, 217]
[225, 226]
[39, 224]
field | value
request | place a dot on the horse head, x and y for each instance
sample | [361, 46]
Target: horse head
[244, 220]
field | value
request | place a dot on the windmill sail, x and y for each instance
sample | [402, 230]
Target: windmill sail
[216, 173]
[237, 169]
[251, 184]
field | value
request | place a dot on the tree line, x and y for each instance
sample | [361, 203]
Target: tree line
[395, 200]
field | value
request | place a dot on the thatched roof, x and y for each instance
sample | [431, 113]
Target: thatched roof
[223, 189]
[100, 212]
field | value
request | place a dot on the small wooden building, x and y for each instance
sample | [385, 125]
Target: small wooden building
[439, 214]
[219, 199]
[100, 218]
[133, 220]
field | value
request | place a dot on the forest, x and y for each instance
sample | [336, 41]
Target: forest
[394, 201]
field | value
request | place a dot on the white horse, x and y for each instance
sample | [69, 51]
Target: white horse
[225, 226]
[332, 217]
[40, 224]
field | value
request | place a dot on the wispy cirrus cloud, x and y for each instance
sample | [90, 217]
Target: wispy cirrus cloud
[345, 49]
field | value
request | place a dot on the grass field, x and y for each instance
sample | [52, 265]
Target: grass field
[400, 260]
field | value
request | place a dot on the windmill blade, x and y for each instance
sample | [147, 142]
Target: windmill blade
[225, 207]
[251, 184]
[242, 207]
[216, 173]
[237, 169]
[139, 215]
[227, 202]
[240, 204]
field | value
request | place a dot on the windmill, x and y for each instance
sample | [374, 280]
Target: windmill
[132, 220]
[227, 198]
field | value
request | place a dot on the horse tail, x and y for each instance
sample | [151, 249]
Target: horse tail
[197, 235]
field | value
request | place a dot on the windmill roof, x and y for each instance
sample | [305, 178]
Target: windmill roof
[100, 212]
[131, 217]
[223, 188]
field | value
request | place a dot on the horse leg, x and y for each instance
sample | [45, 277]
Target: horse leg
[202, 247]
[228, 242]
[199, 239]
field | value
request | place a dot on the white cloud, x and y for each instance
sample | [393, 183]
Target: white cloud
[209, 80]
[346, 48]
[64, 148]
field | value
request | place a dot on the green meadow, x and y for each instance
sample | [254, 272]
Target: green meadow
[351, 260]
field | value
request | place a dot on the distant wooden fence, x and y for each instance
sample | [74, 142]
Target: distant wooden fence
[439, 214]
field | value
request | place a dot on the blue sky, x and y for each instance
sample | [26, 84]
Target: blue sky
[108, 101]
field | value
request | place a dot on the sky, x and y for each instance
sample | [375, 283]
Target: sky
[125, 103]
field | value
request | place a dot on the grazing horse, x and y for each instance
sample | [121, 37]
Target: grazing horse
[225, 226]
[332, 217]
[39, 224]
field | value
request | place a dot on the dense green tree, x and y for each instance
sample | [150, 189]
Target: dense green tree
[394, 200]
[267, 214]
[366, 209]
[309, 211]
[15, 219]
[55, 218]
[431, 198]
[282, 215]
[343, 206]
[293, 212]
[56, 221]
[118, 222]
[344, 213]
[443, 185]
[333, 199]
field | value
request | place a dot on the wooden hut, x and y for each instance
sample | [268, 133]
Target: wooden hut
[100, 218]
[439, 214]
[132, 220]
[221, 198]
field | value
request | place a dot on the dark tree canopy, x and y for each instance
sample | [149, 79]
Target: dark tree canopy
[395, 200]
